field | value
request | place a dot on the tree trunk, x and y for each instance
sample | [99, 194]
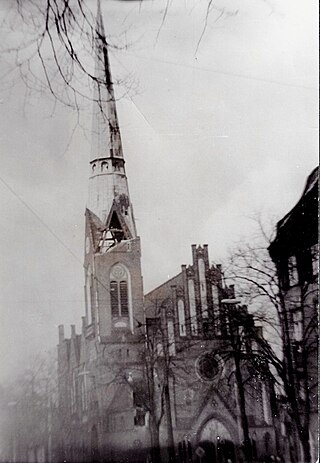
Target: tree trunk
[236, 345]
[242, 406]
[304, 439]
[155, 441]
[167, 402]
[171, 451]
[153, 424]
[290, 377]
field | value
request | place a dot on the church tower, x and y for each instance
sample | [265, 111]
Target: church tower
[101, 370]
[113, 281]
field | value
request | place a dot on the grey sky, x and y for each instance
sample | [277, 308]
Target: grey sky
[211, 137]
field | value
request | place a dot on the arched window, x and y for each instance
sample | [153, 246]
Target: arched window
[123, 289]
[193, 311]
[293, 271]
[119, 292]
[104, 166]
[182, 318]
[171, 339]
[216, 309]
[203, 288]
[266, 405]
[89, 295]
[119, 298]
[114, 294]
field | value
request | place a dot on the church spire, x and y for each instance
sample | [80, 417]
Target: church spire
[108, 188]
[106, 140]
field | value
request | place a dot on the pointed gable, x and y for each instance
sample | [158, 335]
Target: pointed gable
[95, 228]
[116, 222]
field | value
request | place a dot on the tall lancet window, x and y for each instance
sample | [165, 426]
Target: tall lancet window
[266, 406]
[120, 295]
[193, 311]
[216, 309]
[203, 288]
[89, 295]
[182, 318]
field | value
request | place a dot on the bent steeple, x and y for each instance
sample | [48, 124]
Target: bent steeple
[108, 187]
[106, 138]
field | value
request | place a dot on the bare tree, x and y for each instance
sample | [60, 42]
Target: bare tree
[31, 411]
[158, 362]
[234, 348]
[59, 35]
[53, 42]
[56, 46]
[251, 266]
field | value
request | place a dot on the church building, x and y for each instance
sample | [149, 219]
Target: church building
[151, 370]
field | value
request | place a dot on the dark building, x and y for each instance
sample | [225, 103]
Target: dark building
[296, 255]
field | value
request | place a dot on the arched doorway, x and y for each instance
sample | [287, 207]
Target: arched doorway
[215, 444]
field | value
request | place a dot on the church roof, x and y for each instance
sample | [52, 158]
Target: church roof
[311, 184]
[298, 229]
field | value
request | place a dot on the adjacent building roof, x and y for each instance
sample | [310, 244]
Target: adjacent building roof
[299, 227]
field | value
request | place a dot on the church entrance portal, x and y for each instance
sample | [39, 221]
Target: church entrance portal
[215, 444]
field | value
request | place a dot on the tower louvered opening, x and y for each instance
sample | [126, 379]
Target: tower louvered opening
[119, 295]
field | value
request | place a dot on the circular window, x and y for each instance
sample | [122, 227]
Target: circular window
[118, 271]
[207, 366]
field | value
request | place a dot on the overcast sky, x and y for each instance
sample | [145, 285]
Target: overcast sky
[211, 136]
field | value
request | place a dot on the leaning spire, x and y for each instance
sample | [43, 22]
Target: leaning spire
[106, 139]
[109, 197]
